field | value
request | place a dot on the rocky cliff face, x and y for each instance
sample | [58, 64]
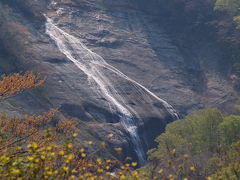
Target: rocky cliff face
[128, 36]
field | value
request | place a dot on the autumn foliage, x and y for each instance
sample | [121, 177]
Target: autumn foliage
[16, 83]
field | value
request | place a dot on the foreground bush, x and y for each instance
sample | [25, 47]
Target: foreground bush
[37, 161]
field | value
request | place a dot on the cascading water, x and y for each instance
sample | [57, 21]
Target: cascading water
[97, 70]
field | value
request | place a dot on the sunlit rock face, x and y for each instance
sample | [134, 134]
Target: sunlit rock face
[138, 78]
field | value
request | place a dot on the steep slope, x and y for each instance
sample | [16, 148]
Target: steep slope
[128, 36]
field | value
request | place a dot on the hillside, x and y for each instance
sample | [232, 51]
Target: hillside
[178, 59]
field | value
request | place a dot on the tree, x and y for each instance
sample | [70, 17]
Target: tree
[16, 83]
[231, 6]
[230, 129]
[167, 142]
[237, 21]
[199, 129]
[201, 136]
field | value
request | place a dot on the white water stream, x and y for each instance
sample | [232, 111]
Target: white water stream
[94, 66]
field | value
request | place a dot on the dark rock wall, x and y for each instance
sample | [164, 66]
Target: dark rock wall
[130, 35]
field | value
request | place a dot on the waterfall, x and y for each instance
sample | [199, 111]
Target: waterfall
[98, 72]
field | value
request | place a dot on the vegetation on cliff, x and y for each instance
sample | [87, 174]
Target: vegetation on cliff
[217, 18]
[198, 23]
